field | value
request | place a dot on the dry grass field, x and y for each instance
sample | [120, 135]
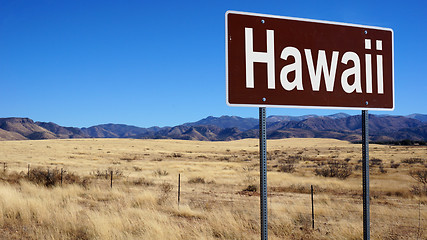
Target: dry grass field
[219, 189]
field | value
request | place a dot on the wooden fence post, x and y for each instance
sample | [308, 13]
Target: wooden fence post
[111, 183]
[312, 207]
[179, 188]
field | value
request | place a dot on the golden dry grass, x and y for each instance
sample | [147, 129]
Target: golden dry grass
[143, 201]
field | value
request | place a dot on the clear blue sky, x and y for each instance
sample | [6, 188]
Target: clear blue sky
[147, 63]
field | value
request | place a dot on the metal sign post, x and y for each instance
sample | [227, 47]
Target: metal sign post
[365, 174]
[263, 172]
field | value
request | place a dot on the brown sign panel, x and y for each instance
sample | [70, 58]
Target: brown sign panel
[290, 62]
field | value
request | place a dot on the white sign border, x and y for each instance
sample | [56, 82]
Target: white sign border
[304, 20]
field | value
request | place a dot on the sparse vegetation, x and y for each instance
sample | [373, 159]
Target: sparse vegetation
[100, 173]
[413, 161]
[107, 173]
[165, 189]
[334, 168]
[419, 190]
[287, 168]
[405, 142]
[137, 169]
[394, 165]
[130, 158]
[375, 161]
[142, 204]
[419, 175]
[382, 169]
[142, 182]
[294, 158]
[251, 188]
[197, 180]
[160, 173]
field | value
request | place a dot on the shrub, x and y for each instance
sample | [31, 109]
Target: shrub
[100, 173]
[419, 175]
[42, 177]
[85, 182]
[413, 161]
[142, 181]
[394, 165]
[382, 170]
[294, 159]
[129, 158]
[165, 189]
[49, 177]
[160, 173]
[335, 168]
[12, 177]
[251, 188]
[137, 169]
[70, 178]
[196, 180]
[287, 168]
[375, 161]
[419, 190]
[106, 173]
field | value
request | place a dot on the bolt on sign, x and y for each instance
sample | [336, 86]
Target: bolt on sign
[275, 61]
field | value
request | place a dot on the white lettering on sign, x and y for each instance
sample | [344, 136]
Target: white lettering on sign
[322, 64]
[380, 68]
[355, 70]
[263, 57]
[294, 67]
[368, 67]
[322, 67]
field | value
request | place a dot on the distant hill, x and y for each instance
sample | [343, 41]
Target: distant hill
[7, 135]
[120, 130]
[349, 128]
[117, 131]
[275, 118]
[23, 128]
[227, 122]
[63, 132]
[342, 126]
[421, 117]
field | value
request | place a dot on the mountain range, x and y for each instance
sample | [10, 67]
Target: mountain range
[382, 128]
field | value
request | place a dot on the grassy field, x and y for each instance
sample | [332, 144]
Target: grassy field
[219, 189]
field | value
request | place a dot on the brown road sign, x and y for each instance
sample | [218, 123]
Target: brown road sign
[275, 61]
